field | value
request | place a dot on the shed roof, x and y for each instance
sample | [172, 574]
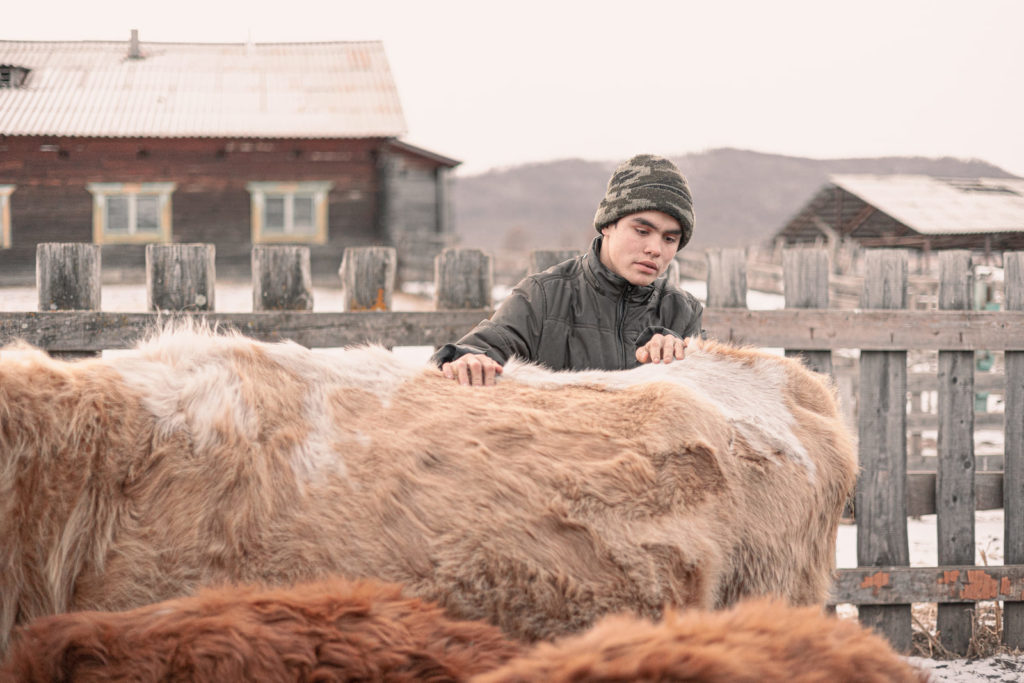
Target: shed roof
[261, 90]
[940, 206]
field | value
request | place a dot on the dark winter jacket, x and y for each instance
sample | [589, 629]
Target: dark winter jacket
[579, 315]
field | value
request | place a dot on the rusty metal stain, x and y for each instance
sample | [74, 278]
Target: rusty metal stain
[378, 305]
[1005, 586]
[951, 578]
[980, 586]
[876, 581]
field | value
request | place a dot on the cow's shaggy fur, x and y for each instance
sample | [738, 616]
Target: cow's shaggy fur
[539, 504]
[328, 631]
[755, 642]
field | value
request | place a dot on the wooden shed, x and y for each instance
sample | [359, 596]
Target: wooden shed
[913, 211]
[128, 143]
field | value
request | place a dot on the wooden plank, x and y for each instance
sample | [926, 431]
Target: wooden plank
[281, 278]
[1013, 482]
[805, 285]
[96, 330]
[68, 276]
[368, 278]
[463, 278]
[881, 501]
[68, 279]
[793, 328]
[921, 488]
[983, 381]
[896, 585]
[180, 277]
[726, 278]
[870, 330]
[955, 467]
[919, 421]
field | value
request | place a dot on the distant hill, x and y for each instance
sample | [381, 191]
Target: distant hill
[741, 197]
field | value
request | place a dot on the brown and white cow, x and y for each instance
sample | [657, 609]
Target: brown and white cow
[539, 504]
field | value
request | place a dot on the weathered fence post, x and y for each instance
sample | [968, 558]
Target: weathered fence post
[881, 502]
[281, 279]
[1013, 444]
[727, 278]
[463, 278]
[180, 277]
[68, 279]
[542, 259]
[805, 275]
[954, 493]
[368, 278]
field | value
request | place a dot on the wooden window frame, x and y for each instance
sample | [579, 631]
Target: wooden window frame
[260, 190]
[5, 215]
[100, 193]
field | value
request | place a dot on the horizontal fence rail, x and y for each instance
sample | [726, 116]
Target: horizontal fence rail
[797, 328]
[180, 284]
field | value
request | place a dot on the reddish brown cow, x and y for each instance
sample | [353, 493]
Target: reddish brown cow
[755, 642]
[329, 631]
[539, 504]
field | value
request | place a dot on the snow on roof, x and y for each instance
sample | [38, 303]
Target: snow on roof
[263, 90]
[942, 205]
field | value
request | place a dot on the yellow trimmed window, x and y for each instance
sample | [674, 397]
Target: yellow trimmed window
[289, 212]
[131, 213]
[5, 216]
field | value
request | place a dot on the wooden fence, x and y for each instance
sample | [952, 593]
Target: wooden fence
[180, 278]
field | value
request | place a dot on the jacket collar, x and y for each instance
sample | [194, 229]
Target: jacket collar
[609, 283]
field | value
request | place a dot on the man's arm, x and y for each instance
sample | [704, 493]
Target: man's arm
[663, 344]
[513, 330]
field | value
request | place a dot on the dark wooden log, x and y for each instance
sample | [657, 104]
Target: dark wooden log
[68, 278]
[463, 278]
[897, 585]
[368, 278]
[1013, 481]
[805, 284]
[180, 277]
[542, 259]
[281, 279]
[881, 501]
[727, 278]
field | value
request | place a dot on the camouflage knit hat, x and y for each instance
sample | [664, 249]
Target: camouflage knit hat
[643, 183]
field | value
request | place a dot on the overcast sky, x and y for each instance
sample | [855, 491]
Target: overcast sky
[496, 84]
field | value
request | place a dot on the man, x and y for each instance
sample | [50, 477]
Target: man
[608, 309]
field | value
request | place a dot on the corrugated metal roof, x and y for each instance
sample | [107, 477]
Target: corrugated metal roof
[268, 90]
[934, 206]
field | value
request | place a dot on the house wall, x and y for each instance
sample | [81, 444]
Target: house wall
[210, 203]
[414, 212]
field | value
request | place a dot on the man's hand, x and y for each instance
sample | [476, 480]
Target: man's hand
[472, 369]
[662, 348]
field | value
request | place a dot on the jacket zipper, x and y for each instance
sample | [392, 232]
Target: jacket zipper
[621, 320]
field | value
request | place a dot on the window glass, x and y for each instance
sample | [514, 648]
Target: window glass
[117, 214]
[147, 212]
[274, 207]
[302, 215]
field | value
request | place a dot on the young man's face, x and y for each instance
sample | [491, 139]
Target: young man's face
[640, 246]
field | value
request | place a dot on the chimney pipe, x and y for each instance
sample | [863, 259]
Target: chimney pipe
[133, 46]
